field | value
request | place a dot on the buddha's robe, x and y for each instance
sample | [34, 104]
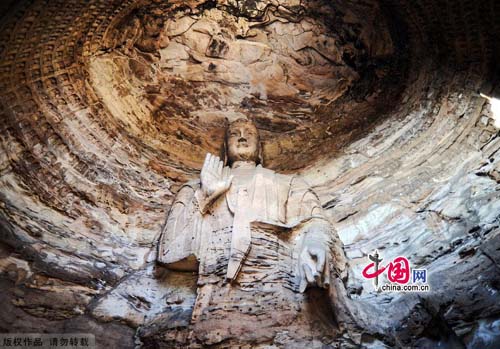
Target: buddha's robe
[217, 241]
[245, 248]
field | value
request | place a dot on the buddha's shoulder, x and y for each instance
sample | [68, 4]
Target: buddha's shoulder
[189, 187]
[194, 183]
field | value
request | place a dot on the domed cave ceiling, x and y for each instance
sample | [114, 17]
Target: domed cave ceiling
[174, 74]
[107, 107]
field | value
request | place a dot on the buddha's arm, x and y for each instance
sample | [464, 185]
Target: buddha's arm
[215, 181]
[318, 227]
[180, 238]
[182, 234]
[315, 246]
[316, 233]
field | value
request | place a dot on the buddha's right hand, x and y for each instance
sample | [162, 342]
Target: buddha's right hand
[215, 178]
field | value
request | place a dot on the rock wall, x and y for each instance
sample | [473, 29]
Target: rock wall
[108, 106]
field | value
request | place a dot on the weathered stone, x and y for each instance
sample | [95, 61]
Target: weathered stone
[144, 296]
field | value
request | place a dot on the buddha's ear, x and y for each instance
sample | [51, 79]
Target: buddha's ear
[223, 149]
[223, 152]
[261, 156]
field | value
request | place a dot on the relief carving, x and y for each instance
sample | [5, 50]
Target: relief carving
[258, 240]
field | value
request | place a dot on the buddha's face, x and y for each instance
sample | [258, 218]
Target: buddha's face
[242, 142]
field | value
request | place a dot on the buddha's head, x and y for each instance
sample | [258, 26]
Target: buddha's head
[242, 142]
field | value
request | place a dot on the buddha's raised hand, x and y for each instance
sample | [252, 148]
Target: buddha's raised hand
[215, 178]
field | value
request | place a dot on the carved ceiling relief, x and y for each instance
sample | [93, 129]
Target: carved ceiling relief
[176, 73]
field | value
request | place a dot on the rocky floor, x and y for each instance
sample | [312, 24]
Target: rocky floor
[107, 107]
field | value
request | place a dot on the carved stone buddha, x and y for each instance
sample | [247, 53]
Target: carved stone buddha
[258, 240]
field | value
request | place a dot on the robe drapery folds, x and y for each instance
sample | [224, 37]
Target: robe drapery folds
[215, 242]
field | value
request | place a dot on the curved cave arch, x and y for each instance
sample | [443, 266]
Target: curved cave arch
[108, 106]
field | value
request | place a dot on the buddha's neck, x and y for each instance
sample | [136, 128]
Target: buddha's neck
[243, 164]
